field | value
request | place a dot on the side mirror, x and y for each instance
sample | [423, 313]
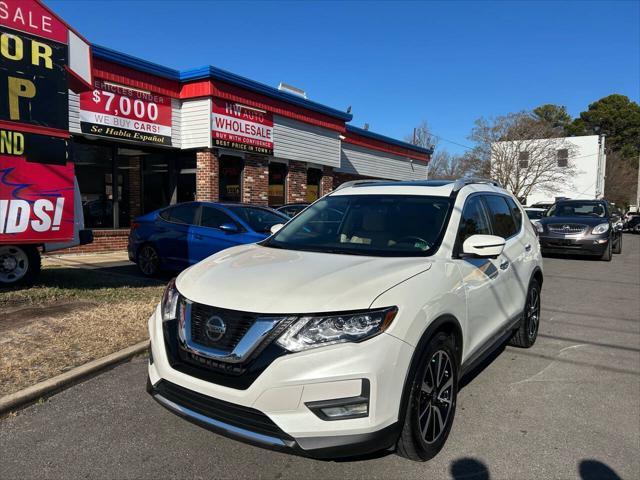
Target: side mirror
[276, 228]
[483, 246]
[229, 228]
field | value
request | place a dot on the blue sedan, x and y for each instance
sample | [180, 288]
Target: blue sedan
[178, 236]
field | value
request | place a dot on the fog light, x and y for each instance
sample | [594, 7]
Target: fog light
[601, 241]
[343, 408]
[355, 410]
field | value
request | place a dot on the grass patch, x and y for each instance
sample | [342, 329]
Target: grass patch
[72, 316]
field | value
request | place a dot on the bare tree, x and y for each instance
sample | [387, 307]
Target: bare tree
[422, 136]
[522, 153]
[622, 180]
[444, 165]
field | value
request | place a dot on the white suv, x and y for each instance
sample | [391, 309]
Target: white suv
[348, 330]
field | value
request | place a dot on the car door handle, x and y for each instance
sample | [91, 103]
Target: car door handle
[527, 247]
[198, 237]
[504, 265]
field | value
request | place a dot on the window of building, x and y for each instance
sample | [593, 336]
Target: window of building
[119, 182]
[503, 223]
[94, 171]
[314, 177]
[230, 178]
[562, 156]
[277, 175]
[523, 159]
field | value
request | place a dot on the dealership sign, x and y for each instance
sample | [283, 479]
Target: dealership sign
[41, 58]
[117, 111]
[36, 201]
[241, 127]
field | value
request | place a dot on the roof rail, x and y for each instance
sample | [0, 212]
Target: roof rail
[352, 183]
[463, 182]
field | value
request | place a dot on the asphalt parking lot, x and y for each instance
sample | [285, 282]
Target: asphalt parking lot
[567, 408]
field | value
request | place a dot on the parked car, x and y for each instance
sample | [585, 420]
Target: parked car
[584, 227]
[632, 223]
[535, 214]
[292, 209]
[347, 330]
[178, 236]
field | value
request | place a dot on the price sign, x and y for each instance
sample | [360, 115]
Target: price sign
[113, 110]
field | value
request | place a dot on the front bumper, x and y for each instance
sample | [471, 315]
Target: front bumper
[277, 399]
[584, 245]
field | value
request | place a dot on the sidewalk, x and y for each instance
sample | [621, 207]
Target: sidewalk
[87, 260]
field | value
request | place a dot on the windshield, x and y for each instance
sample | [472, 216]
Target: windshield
[376, 225]
[535, 214]
[259, 219]
[577, 209]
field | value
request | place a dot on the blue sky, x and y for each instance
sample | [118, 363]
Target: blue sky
[395, 63]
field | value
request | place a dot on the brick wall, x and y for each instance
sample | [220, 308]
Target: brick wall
[255, 181]
[296, 182]
[326, 184]
[207, 176]
[134, 187]
[103, 241]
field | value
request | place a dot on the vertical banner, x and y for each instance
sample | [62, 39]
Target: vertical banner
[241, 127]
[117, 111]
[36, 201]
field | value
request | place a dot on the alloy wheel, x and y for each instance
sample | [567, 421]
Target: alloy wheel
[148, 260]
[533, 312]
[435, 397]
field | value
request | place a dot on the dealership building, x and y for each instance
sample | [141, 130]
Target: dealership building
[148, 136]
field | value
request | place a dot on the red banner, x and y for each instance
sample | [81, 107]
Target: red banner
[241, 127]
[36, 201]
[118, 111]
[30, 17]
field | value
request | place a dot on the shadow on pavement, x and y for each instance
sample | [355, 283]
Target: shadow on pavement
[595, 470]
[469, 468]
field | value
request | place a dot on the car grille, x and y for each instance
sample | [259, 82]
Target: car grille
[567, 228]
[237, 324]
[229, 413]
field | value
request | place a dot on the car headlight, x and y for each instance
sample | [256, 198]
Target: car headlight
[602, 228]
[322, 330]
[169, 305]
[539, 227]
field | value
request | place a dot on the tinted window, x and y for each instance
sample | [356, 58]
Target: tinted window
[181, 214]
[503, 224]
[474, 220]
[572, 209]
[259, 219]
[377, 225]
[213, 218]
[516, 213]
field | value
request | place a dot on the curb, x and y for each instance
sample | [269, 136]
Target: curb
[64, 380]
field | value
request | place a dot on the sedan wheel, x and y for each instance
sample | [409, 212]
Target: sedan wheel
[148, 260]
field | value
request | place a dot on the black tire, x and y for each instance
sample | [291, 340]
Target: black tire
[527, 333]
[19, 265]
[148, 260]
[606, 255]
[618, 248]
[424, 412]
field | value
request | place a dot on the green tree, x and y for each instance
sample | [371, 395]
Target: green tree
[555, 116]
[618, 118]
